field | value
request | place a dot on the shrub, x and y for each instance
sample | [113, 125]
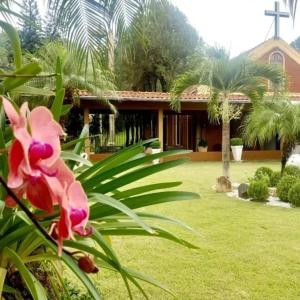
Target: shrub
[202, 143]
[274, 179]
[284, 185]
[265, 171]
[294, 194]
[292, 170]
[258, 190]
[236, 142]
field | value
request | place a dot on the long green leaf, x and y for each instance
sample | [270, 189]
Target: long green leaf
[109, 201]
[35, 288]
[114, 160]
[56, 107]
[100, 211]
[3, 272]
[67, 155]
[136, 175]
[159, 232]
[144, 189]
[15, 43]
[104, 175]
[69, 261]
[29, 90]
[30, 69]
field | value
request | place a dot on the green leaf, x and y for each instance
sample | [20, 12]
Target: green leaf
[113, 160]
[144, 189]
[3, 273]
[69, 261]
[16, 235]
[30, 69]
[135, 175]
[15, 42]
[104, 175]
[148, 279]
[159, 232]
[65, 109]
[66, 155]
[30, 90]
[100, 211]
[33, 285]
[57, 104]
[109, 201]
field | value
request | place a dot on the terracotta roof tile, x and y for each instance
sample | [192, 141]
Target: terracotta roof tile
[165, 97]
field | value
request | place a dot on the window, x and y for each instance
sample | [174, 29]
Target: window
[276, 58]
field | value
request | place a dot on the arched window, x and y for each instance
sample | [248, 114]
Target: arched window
[276, 58]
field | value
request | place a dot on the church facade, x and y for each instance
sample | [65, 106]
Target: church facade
[144, 115]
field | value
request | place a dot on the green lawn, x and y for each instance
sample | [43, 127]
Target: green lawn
[246, 250]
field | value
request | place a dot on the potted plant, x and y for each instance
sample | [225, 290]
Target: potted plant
[237, 148]
[154, 148]
[202, 146]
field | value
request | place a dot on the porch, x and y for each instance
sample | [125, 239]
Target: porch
[141, 118]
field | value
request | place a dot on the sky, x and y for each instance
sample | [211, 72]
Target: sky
[238, 25]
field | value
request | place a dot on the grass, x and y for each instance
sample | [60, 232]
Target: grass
[246, 250]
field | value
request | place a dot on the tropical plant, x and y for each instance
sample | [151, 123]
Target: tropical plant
[292, 4]
[151, 59]
[273, 119]
[34, 234]
[89, 27]
[225, 76]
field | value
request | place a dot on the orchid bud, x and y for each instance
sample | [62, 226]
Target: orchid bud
[87, 265]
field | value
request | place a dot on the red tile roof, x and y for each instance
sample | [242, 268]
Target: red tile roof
[165, 97]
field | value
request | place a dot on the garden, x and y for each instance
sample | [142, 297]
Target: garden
[143, 222]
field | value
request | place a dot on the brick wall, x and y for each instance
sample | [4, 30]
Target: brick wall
[292, 69]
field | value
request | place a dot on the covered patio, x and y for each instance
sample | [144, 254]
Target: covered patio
[144, 115]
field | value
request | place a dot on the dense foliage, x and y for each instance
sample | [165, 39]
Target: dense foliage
[151, 59]
[31, 26]
[292, 170]
[258, 190]
[275, 178]
[294, 194]
[284, 186]
[81, 207]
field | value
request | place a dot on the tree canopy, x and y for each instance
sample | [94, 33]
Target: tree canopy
[163, 48]
[31, 26]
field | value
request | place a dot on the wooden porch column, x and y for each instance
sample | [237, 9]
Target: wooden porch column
[161, 127]
[86, 120]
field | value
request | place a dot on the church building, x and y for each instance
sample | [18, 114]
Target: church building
[144, 115]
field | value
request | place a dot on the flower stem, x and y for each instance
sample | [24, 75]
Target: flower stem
[31, 216]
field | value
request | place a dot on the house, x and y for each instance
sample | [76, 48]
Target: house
[144, 115]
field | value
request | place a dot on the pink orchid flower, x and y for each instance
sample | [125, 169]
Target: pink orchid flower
[74, 209]
[37, 172]
[33, 154]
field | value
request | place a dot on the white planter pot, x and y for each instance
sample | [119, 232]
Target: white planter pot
[237, 152]
[154, 151]
[202, 149]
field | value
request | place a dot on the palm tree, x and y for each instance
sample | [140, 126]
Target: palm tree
[292, 6]
[225, 76]
[73, 74]
[270, 119]
[89, 27]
